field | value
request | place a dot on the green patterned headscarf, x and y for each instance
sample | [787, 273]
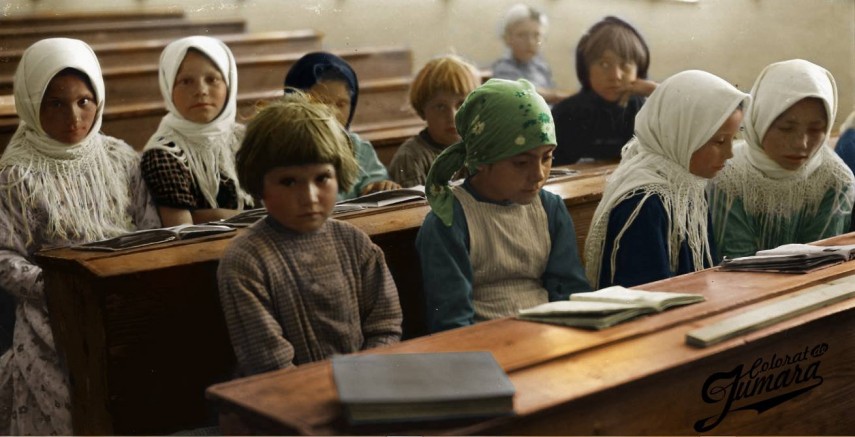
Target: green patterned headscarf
[500, 119]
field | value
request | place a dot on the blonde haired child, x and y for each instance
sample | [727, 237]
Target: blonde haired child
[784, 184]
[331, 80]
[653, 220]
[297, 286]
[61, 182]
[436, 94]
[188, 163]
[498, 243]
[612, 59]
[522, 30]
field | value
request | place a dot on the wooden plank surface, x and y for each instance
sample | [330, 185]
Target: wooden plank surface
[39, 19]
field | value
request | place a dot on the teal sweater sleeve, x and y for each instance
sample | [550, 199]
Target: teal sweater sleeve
[736, 232]
[833, 217]
[447, 270]
[370, 168]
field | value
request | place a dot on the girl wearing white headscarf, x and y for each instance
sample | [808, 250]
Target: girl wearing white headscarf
[53, 194]
[651, 223]
[759, 204]
[190, 166]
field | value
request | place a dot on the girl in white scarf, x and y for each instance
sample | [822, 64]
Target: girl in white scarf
[652, 220]
[189, 162]
[784, 184]
[61, 182]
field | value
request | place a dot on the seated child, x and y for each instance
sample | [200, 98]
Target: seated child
[497, 243]
[188, 163]
[436, 94]
[652, 222]
[611, 63]
[61, 183]
[522, 31]
[331, 80]
[784, 185]
[297, 286]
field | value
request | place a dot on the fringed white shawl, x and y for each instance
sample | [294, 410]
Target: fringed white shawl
[682, 114]
[208, 149]
[75, 184]
[769, 192]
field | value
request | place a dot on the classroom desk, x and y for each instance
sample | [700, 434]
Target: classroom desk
[637, 378]
[143, 333]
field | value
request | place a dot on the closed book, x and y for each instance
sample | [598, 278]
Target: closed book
[385, 388]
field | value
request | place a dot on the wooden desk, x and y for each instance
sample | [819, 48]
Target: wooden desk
[636, 378]
[143, 333]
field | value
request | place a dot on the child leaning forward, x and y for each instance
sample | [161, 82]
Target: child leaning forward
[298, 287]
[497, 243]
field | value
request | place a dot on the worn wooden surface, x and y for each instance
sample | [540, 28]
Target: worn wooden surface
[143, 334]
[25, 21]
[635, 378]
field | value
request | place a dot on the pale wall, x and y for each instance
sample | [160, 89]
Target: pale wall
[732, 38]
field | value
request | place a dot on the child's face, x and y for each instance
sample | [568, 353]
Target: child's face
[335, 94]
[68, 109]
[199, 92]
[300, 197]
[517, 179]
[610, 75]
[796, 134]
[524, 38]
[707, 161]
[439, 114]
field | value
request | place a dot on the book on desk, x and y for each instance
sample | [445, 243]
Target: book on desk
[383, 198]
[791, 258]
[387, 388]
[147, 237]
[607, 307]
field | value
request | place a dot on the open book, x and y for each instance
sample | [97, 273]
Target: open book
[385, 198]
[421, 386]
[791, 258]
[243, 219]
[153, 236]
[609, 306]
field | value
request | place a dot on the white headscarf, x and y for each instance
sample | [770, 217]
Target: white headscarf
[76, 183]
[682, 114]
[208, 148]
[777, 193]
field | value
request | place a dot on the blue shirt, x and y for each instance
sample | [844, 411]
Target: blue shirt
[447, 271]
[370, 167]
[643, 254]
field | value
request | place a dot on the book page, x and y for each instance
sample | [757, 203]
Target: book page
[655, 299]
[385, 198]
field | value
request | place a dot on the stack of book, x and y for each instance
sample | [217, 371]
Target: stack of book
[791, 258]
[607, 307]
[389, 388]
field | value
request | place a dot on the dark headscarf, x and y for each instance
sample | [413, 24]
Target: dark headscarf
[313, 67]
[581, 65]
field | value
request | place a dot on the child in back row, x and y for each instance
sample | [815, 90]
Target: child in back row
[436, 94]
[297, 286]
[784, 184]
[331, 80]
[498, 243]
[653, 220]
[522, 30]
[61, 182]
[188, 163]
[611, 63]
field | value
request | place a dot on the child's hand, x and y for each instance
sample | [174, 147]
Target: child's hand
[379, 186]
[638, 87]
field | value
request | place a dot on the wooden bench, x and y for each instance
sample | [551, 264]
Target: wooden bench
[143, 333]
[379, 100]
[110, 32]
[135, 83]
[637, 378]
[147, 52]
[64, 18]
